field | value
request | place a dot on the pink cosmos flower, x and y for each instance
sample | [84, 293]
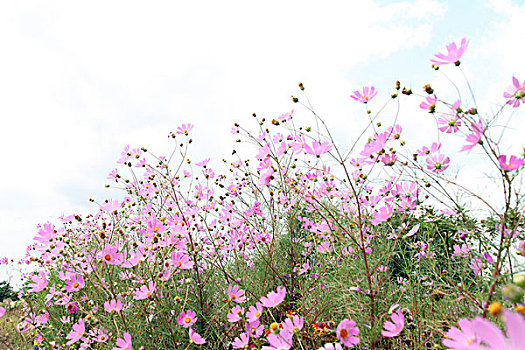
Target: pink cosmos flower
[196, 337]
[515, 93]
[429, 104]
[281, 341]
[463, 337]
[294, 324]
[266, 177]
[437, 163]
[145, 292]
[124, 344]
[2, 311]
[254, 312]
[425, 151]
[331, 346]
[77, 332]
[184, 129]
[461, 252]
[236, 294]
[392, 329]
[113, 305]
[111, 255]
[254, 329]
[40, 282]
[514, 163]
[273, 299]
[74, 283]
[369, 93]
[449, 123]
[235, 314]
[187, 319]
[475, 137]
[520, 248]
[111, 206]
[318, 148]
[479, 331]
[241, 342]
[181, 260]
[453, 53]
[346, 331]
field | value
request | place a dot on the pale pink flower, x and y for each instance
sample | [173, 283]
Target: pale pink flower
[181, 260]
[254, 312]
[266, 177]
[236, 294]
[346, 331]
[369, 93]
[437, 163]
[463, 337]
[184, 129]
[40, 282]
[294, 324]
[274, 298]
[429, 104]
[113, 305]
[392, 329]
[241, 342]
[475, 137]
[77, 332]
[124, 344]
[235, 314]
[196, 337]
[318, 148]
[331, 346]
[145, 292]
[281, 341]
[2, 311]
[515, 93]
[453, 53]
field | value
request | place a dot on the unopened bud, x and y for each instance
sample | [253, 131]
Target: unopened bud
[513, 293]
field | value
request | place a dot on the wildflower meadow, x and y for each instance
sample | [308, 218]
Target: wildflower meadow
[295, 241]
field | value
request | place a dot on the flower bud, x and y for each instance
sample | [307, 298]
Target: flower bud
[519, 280]
[513, 293]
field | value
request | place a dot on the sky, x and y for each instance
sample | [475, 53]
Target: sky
[81, 80]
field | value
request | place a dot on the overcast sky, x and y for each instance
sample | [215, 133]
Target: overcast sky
[80, 80]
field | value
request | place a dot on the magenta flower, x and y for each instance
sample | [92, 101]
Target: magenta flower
[425, 151]
[392, 329]
[346, 331]
[113, 305]
[187, 319]
[514, 163]
[196, 337]
[369, 93]
[236, 294]
[273, 299]
[124, 344]
[515, 93]
[453, 53]
[2, 311]
[77, 332]
[429, 104]
[463, 337]
[437, 163]
[145, 292]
